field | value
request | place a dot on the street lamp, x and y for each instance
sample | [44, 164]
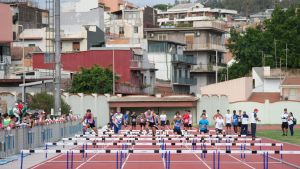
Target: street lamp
[23, 57]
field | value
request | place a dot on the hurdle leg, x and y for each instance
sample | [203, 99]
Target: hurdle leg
[117, 160]
[169, 160]
[46, 147]
[22, 156]
[67, 159]
[281, 155]
[219, 160]
[214, 160]
[72, 159]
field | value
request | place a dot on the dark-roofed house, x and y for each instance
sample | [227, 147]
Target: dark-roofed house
[290, 88]
[169, 104]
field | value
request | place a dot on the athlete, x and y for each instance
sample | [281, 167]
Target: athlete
[150, 121]
[177, 123]
[163, 119]
[142, 119]
[133, 120]
[117, 122]
[88, 121]
[186, 120]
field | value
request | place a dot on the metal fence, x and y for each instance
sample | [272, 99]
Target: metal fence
[12, 141]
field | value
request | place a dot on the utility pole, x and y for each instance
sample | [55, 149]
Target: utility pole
[275, 54]
[216, 66]
[286, 53]
[57, 81]
[114, 80]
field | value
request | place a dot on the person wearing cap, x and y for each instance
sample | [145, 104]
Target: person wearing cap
[284, 125]
[253, 120]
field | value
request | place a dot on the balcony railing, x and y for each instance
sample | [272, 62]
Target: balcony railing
[139, 64]
[205, 46]
[127, 89]
[207, 67]
[184, 81]
[184, 59]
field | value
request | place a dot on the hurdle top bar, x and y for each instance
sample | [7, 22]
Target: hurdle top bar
[118, 139]
[59, 151]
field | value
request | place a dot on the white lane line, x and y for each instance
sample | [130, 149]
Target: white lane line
[198, 157]
[89, 159]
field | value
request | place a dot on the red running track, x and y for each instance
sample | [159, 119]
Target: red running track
[178, 161]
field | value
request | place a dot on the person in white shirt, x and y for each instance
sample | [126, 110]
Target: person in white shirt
[291, 123]
[254, 119]
[163, 119]
[219, 125]
[284, 125]
[245, 121]
[228, 119]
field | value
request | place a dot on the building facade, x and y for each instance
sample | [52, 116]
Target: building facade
[187, 13]
[126, 27]
[173, 66]
[204, 41]
[136, 74]
[6, 37]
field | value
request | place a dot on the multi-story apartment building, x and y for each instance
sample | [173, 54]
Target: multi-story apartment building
[173, 66]
[27, 15]
[187, 13]
[6, 37]
[204, 40]
[126, 27]
[116, 5]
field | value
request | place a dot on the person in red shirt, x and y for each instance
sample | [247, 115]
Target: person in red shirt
[186, 120]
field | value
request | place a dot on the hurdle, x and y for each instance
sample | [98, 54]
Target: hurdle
[145, 139]
[158, 151]
[166, 135]
[162, 143]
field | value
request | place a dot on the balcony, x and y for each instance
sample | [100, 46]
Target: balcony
[207, 67]
[141, 65]
[184, 81]
[184, 59]
[205, 46]
[124, 88]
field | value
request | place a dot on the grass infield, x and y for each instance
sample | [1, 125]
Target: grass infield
[277, 135]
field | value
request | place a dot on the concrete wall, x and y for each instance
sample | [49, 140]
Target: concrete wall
[162, 62]
[269, 113]
[236, 90]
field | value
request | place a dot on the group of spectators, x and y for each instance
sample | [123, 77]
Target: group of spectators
[20, 116]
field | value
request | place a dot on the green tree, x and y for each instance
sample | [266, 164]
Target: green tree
[250, 48]
[45, 102]
[93, 80]
[162, 7]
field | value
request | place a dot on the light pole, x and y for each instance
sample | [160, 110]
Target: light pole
[57, 97]
[114, 83]
[23, 58]
[216, 66]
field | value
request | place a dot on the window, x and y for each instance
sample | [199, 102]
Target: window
[31, 45]
[136, 29]
[162, 37]
[76, 46]
[121, 31]
[107, 30]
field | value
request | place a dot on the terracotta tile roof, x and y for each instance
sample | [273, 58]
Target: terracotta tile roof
[17, 52]
[262, 96]
[142, 98]
[291, 81]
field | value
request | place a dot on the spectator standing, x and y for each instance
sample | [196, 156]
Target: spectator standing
[284, 124]
[254, 119]
[245, 121]
[228, 118]
[235, 121]
[291, 123]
